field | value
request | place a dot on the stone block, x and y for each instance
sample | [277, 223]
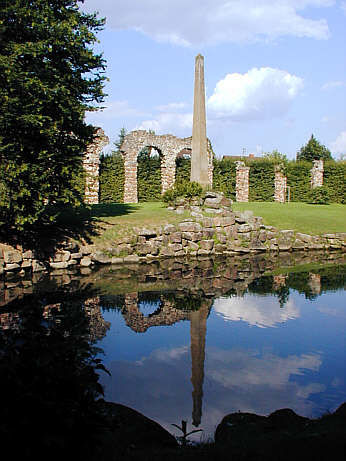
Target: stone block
[60, 256]
[213, 210]
[12, 256]
[244, 228]
[193, 246]
[28, 254]
[58, 265]
[101, 258]
[202, 252]
[148, 233]
[38, 266]
[72, 262]
[85, 250]
[207, 222]
[227, 221]
[208, 232]
[190, 227]
[78, 255]
[26, 264]
[133, 259]
[220, 248]
[207, 244]
[175, 237]
[175, 246]
[11, 267]
[166, 252]
[85, 261]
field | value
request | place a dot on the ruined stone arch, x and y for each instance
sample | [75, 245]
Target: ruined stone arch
[169, 146]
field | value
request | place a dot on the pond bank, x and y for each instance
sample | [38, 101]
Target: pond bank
[224, 234]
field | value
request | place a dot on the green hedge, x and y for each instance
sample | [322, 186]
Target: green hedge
[112, 178]
[261, 178]
[298, 178]
[183, 169]
[224, 176]
[148, 177]
[261, 181]
[335, 181]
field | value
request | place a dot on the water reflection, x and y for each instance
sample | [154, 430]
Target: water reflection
[197, 341]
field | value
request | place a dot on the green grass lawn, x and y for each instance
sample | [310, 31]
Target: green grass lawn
[116, 221]
[302, 217]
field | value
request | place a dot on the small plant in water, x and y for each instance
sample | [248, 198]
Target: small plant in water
[183, 439]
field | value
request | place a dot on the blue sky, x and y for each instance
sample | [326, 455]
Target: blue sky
[275, 70]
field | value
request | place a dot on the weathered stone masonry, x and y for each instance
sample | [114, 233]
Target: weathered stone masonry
[169, 147]
[242, 182]
[91, 164]
[280, 186]
[317, 174]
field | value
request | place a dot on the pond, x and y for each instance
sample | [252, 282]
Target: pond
[197, 340]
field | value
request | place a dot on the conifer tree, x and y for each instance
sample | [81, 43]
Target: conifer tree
[49, 77]
[313, 150]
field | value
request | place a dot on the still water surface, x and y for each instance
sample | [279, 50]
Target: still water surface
[253, 352]
[196, 341]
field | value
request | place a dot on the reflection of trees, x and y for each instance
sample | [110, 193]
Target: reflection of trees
[49, 383]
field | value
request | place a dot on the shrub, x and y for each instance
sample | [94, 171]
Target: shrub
[185, 189]
[319, 196]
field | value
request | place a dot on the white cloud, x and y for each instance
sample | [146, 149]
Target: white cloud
[343, 7]
[339, 145]
[333, 84]
[115, 109]
[262, 312]
[169, 122]
[258, 94]
[213, 21]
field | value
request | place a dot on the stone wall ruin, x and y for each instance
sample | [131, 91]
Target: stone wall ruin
[317, 174]
[91, 165]
[168, 146]
[242, 182]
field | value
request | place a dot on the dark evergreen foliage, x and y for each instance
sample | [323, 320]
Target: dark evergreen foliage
[148, 177]
[261, 181]
[314, 150]
[49, 77]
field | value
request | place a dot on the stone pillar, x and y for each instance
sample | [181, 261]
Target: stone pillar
[167, 171]
[317, 174]
[279, 281]
[199, 155]
[198, 330]
[130, 183]
[242, 182]
[280, 186]
[314, 283]
[91, 165]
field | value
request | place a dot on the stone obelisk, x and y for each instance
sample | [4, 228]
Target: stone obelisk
[199, 156]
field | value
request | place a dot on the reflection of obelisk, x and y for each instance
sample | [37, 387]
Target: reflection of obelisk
[198, 329]
[199, 156]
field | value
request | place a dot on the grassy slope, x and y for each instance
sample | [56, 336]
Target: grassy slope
[303, 217]
[116, 221]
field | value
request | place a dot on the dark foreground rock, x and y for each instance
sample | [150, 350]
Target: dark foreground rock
[129, 431]
[283, 435]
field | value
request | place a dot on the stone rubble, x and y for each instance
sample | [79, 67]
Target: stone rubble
[227, 233]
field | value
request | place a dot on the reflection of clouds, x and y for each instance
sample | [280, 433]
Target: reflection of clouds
[333, 311]
[159, 385]
[260, 311]
[239, 368]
